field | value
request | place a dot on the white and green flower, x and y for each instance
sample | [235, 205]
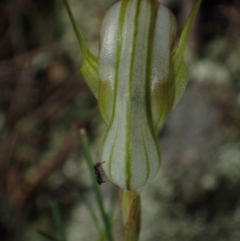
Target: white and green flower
[137, 80]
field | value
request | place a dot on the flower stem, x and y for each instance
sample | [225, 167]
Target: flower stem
[86, 152]
[131, 205]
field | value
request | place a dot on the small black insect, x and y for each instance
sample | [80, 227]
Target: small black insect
[98, 173]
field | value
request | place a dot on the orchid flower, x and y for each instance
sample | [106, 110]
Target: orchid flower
[137, 79]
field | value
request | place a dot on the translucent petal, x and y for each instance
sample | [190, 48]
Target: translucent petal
[136, 43]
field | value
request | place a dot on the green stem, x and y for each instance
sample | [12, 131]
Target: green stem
[131, 205]
[91, 211]
[86, 152]
[58, 220]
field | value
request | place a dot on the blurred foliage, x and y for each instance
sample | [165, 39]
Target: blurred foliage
[44, 102]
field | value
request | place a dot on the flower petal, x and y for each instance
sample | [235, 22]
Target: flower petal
[137, 37]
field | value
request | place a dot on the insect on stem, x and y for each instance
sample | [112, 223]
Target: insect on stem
[98, 173]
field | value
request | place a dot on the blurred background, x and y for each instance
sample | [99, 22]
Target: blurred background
[44, 101]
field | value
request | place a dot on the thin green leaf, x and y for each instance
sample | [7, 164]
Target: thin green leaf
[58, 220]
[46, 235]
[89, 66]
[187, 28]
[179, 76]
[179, 70]
[88, 158]
[91, 211]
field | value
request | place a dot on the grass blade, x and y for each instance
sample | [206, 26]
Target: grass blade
[46, 235]
[88, 158]
[58, 220]
[91, 211]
